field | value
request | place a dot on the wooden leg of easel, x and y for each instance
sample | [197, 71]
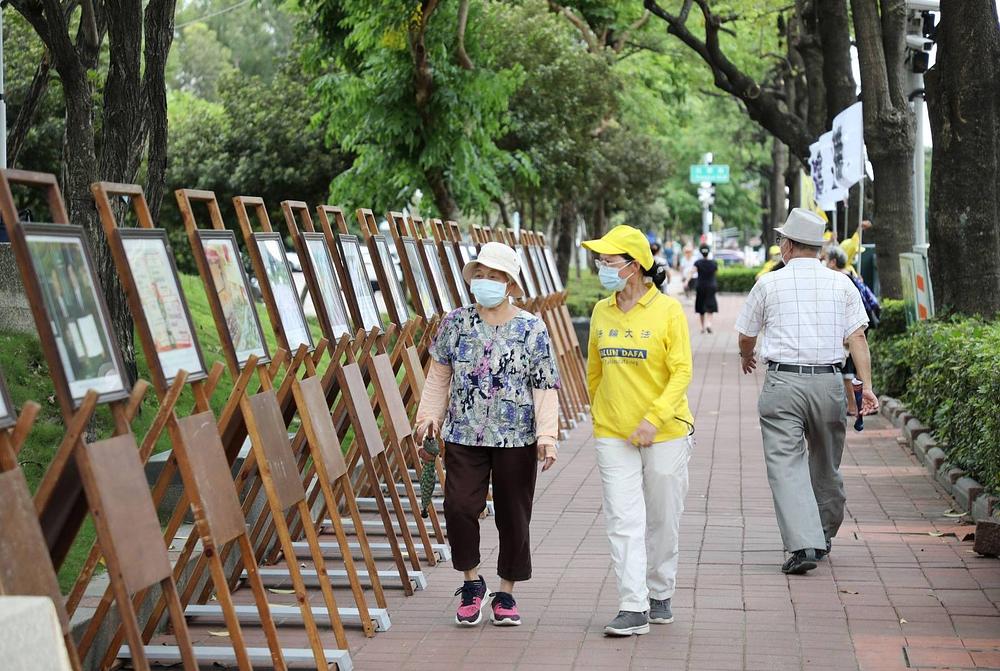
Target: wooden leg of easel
[322, 577]
[228, 610]
[404, 526]
[180, 625]
[348, 558]
[366, 552]
[260, 596]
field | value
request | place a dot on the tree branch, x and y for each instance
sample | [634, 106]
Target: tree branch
[588, 35]
[463, 18]
[26, 114]
[762, 106]
[159, 34]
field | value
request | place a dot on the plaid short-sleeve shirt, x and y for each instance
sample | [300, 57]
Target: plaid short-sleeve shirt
[495, 370]
[805, 312]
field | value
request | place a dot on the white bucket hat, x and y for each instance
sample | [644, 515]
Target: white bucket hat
[497, 256]
[803, 226]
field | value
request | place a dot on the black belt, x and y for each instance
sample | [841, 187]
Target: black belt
[805, 370]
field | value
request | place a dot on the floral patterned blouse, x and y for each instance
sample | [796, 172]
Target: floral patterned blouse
[494, 372]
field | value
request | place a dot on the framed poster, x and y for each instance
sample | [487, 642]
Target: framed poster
[437, 275]
[329, 287]
[468, 252]
[222, 256]
[553, 269]
[354, 262]
[157, 286]
[6, 406]
[538, 263]
[529, 280]
[419, 276]
[76, 312]
[395, 287]
[278, 275]
[456, 273]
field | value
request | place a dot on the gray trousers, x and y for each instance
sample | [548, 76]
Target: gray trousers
[803, 423]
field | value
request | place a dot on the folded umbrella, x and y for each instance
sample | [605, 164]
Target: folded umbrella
[428, 477]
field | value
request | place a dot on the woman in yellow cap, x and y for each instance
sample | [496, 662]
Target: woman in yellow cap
[638, 371]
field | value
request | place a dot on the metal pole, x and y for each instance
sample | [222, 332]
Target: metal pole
[706, 209]
[3, 103]
[919, 229]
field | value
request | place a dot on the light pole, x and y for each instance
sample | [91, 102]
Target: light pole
[919, 42]
[706, 194]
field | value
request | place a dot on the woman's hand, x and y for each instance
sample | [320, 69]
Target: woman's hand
[643, 435]
[547, 454]
[426, 429]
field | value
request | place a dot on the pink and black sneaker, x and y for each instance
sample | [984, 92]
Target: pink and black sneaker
[505, 610]
[473, 594]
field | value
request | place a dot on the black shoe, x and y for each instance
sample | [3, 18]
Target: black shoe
[820, 554]
[800, 562]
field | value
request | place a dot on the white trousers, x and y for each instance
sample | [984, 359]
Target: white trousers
[643, 530]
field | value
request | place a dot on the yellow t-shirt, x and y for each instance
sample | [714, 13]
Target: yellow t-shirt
[639, 367]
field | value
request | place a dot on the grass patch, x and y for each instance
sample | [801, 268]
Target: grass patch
[27, 373]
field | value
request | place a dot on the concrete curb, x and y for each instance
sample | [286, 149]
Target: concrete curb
[969, 495]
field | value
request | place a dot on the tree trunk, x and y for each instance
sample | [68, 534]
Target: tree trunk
[565, 234]
[963, 101]
[804, 38]
[888, 125]
[779, 164]
[159, 31]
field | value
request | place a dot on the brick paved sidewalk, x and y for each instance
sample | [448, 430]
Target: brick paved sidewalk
[891, 596]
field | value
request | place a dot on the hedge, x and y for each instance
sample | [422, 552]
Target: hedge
[736, 279]
[892, 321]
[948, 375]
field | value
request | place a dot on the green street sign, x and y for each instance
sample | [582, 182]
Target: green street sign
[716, 174]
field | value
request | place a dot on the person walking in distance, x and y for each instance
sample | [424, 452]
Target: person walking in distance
[689, 273]
[806, 312]
[638, 372]
[492, 395]
[705, 303]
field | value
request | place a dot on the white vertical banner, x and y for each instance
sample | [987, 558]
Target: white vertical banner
[823, 172]
[848, 138]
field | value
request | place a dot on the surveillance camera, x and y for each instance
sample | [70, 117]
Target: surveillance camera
[918, 43]
[923, 5]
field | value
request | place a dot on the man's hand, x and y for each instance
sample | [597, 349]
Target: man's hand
[748, 363]
[643, 435]
[548, 455]
[866, 224]
[869, 402]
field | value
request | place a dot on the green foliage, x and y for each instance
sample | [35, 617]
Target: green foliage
[583, 293]
[892, 321]
[257, 140]
[198, 61]
[948, 374]
[736, 279]
[368, 94]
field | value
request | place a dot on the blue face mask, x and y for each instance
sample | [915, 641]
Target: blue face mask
[489, 293]
[610, 279]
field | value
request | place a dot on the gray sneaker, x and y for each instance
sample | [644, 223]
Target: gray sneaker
[627, 623]
[659, 611]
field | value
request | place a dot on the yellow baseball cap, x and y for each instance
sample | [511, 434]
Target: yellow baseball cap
[624, 239]
[773, 249]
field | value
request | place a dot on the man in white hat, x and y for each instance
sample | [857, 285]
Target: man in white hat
[805, 313]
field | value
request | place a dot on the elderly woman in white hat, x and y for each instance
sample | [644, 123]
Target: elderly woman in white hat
[491, 396]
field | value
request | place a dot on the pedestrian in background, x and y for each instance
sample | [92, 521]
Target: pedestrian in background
[705, 302]
[660, 262]
[688, 272]
[806, 312]
[638, 372]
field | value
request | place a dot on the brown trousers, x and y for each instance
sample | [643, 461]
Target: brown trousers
[468, 479]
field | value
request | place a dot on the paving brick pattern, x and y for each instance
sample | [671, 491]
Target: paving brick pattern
[891, 596]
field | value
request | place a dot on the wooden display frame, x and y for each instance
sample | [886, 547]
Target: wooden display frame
[197, 237]
[340, 239]
[27, 567]
[306, 239]
[59, 499]
[431, 264]
[408, 250]
[385, 269]
[281, 317]
[450, 262]
[8, 417]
